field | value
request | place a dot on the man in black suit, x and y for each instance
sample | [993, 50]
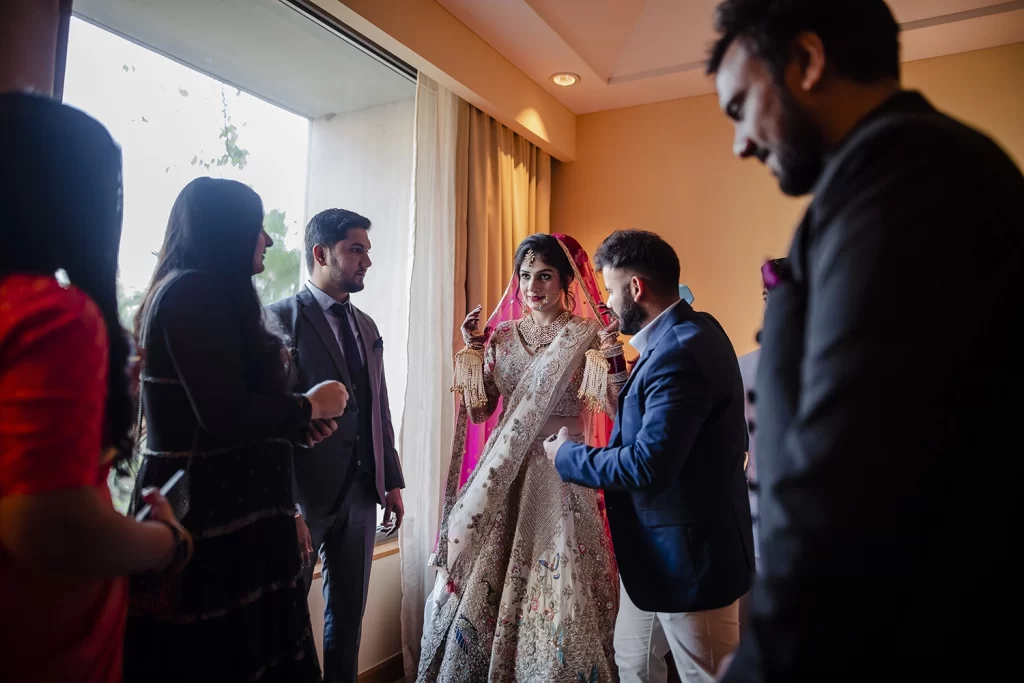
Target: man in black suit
[886, 383]
[354, 467]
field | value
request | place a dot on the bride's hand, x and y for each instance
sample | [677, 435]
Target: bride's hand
[469, 329]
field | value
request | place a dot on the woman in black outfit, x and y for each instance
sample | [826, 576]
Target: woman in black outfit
[215, 402]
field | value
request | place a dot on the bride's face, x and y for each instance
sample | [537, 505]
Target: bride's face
[541, 286]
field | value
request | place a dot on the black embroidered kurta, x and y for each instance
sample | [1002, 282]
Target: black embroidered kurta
[243, 613]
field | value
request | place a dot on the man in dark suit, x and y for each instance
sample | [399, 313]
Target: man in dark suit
[341, 480]
[886, 383]
[673, 470]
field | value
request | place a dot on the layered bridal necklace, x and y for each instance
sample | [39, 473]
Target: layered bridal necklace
[538, 336]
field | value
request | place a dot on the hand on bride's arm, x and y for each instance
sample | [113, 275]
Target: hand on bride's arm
[554, 442]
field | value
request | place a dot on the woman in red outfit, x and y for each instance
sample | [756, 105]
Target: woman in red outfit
[65, 405]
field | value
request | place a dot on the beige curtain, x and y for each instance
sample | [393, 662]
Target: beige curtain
[429, 417]
[479, 190]
[503, 194]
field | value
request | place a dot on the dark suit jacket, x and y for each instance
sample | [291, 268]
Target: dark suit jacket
[886, 394]
[673, 475]
[320, 471]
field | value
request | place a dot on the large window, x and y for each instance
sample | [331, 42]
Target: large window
[256, 91]
[175, 124]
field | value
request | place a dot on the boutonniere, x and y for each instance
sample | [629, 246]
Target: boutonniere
[775, 272]
[379, 344]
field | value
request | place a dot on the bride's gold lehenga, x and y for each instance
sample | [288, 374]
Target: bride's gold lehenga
[527, 587]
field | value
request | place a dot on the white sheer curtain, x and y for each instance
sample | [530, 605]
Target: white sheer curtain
[429, 409]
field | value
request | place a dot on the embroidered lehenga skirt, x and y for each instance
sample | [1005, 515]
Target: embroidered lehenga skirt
[536, 600]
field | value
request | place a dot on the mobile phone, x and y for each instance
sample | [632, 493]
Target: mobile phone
[164, 490]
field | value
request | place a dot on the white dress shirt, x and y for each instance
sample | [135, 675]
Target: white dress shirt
[639, 340]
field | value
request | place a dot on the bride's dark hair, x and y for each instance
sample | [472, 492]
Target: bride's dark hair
[549, 250]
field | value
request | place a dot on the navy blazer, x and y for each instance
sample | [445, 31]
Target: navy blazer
[673, 471]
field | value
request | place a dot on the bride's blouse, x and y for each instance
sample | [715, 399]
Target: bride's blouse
[507, 361]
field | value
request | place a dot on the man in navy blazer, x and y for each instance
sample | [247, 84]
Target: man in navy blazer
[673, 475]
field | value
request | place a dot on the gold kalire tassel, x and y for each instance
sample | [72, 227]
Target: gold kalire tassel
[594, 388]
[469, 377]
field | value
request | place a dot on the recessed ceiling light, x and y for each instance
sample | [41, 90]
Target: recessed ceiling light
[565, 79]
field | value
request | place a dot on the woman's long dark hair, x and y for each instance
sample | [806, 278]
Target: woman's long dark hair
[213, 227]
[61, 203]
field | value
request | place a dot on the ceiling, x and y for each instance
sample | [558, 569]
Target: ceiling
[265, 47]
[630, 52]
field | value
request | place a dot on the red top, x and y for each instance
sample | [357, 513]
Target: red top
[53, 387]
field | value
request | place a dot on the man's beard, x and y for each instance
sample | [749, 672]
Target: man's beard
[801, 153]
[344, 284]
[632, 316]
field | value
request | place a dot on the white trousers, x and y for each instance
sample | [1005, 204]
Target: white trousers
[698, 642]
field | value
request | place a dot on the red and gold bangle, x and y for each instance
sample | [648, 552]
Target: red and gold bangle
[616, 361]
[616, 364]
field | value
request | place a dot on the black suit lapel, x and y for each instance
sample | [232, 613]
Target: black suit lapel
[312, 312]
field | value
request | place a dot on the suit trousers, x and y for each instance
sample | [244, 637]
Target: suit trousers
[344, 543]
[698, 642]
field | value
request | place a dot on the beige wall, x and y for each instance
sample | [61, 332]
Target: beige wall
[669, 168]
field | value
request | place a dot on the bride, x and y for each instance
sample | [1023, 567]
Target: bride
[527, 587]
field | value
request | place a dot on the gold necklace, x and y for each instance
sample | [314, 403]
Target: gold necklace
[537, 336]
